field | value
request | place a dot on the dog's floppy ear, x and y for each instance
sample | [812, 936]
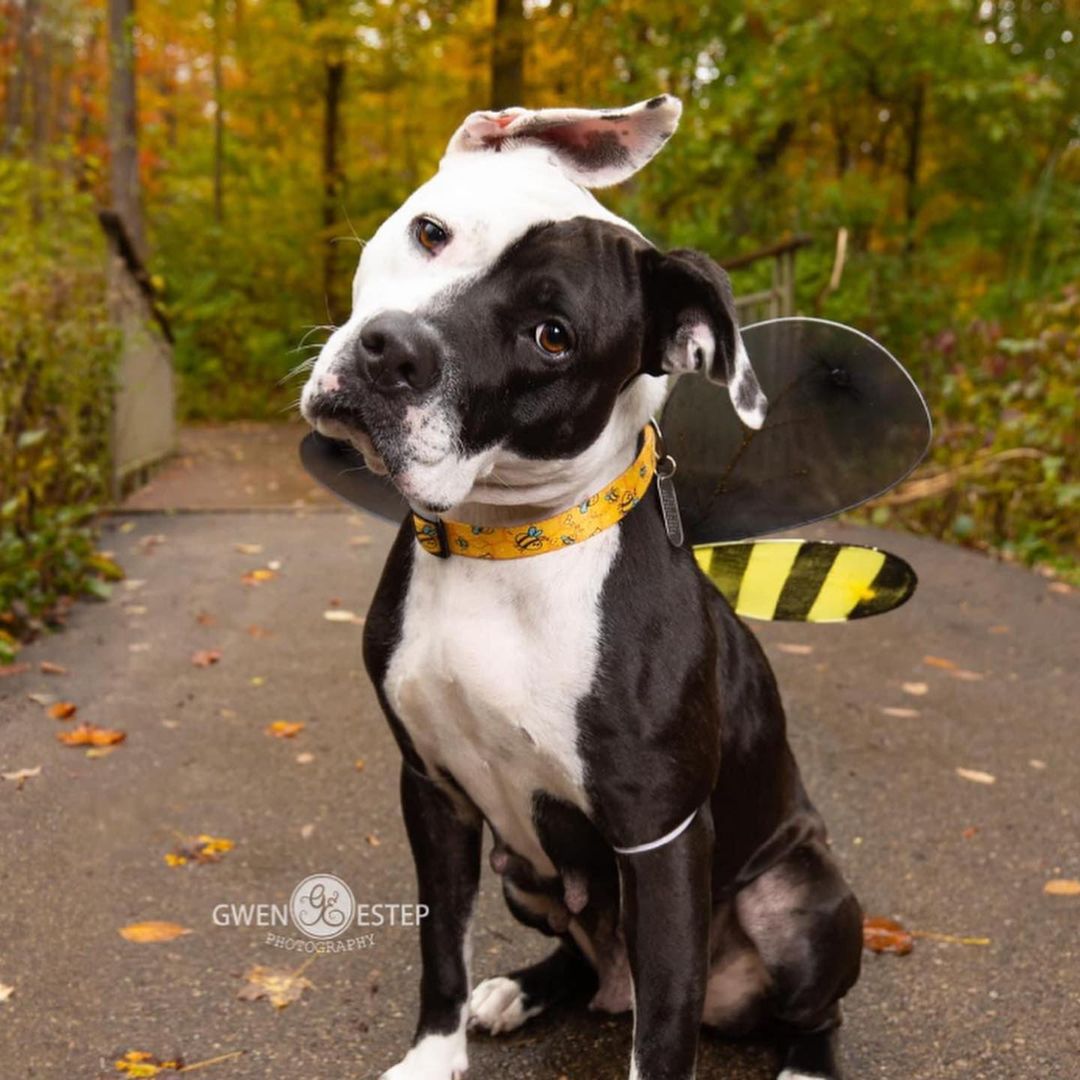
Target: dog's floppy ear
[692, 326]
[594, 147]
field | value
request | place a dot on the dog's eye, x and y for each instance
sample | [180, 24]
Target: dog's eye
[554, 337]
[430, 235]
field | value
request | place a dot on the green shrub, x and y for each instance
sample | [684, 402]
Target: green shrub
[57, 357]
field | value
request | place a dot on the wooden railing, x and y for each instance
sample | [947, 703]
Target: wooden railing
[778, 300]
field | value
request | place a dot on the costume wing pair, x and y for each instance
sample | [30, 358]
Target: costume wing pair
[845, 424]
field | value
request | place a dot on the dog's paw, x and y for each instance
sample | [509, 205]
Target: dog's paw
[434, 1057]
[498, 1006]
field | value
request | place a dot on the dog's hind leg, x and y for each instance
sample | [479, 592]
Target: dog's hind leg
[445, 834]
[505, 1002]
[807, 927]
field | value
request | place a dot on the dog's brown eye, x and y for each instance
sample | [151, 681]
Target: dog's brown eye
[430, 235]
[553, 337]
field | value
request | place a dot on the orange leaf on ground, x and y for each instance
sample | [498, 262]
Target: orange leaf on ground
[259, 632]
[205, 657]
[257, 577]
[276, 985]
[47, 667]
[940, 662]
[153, 931]
[63, 710]
[285, 729]
[91, 735]
[882, 935]
[139, 1065]
[204, 618]
[199, 849]
[1062, 887]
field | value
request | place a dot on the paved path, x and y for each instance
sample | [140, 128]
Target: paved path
[82, 844]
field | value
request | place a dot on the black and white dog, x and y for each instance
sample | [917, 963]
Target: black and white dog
[598, 705]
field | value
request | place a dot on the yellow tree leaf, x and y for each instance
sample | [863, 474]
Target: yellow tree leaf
[153, 931]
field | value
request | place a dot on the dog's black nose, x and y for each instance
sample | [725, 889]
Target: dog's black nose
[398, 353]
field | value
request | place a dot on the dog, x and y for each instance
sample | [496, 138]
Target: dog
[550, 660]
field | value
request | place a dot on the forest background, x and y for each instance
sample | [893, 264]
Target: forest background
[247, 145]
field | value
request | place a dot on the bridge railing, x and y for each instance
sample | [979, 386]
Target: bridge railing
[778, 300]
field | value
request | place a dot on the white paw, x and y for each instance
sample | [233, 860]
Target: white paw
[498, 1005]
[434, 1057]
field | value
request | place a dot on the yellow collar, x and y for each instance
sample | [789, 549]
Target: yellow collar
[598, 512]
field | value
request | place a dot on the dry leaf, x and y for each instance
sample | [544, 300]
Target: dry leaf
[139, 646]
[204, 618]
[359, 764]
[63, 710]
[259, 632]
[257, 577]
[342, 615]
[140, 1065]
[199, 849]
[133, 584]
[41, 699]
[882, 935]
[205, 657]
[939, 662]
[916, 689]
[307, 831]
[1035, 763]
[47, 667]
[306, 758]
[975, 776]
[20, 776]
[276, 985]
[966, 676]
[359, 541]
[95, 752]
[90, 735]
[796, 650]
[148, 543]
[227, 714]
[153, 931]
[970, 832]
[274, 564]
[1062, 887]
[1001, 628]
[1061, 588]
[285, 729]
[373, 840]
[248, 549]
[13, 669]
[6, 992]
[900, 713]
[256, 680]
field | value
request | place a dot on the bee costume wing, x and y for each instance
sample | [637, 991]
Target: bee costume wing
[341, 470]
[845, 423]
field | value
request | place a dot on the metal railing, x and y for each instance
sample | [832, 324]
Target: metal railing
[778, 300]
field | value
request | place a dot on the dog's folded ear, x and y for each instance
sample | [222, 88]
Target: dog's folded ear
[692, 326]
[594, 147]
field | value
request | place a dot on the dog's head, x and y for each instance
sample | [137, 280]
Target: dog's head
[505, 323]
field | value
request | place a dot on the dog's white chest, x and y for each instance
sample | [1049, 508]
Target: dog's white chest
[493, 660]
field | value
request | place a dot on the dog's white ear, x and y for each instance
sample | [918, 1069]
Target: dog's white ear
[594, 147]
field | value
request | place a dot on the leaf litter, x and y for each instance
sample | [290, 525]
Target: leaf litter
[279, 986]
[199, 850]
[884, 935]
[91, 735]
[153, 931]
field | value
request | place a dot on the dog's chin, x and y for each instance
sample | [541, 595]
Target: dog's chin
[333, 428]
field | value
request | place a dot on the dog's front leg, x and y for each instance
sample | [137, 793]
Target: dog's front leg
[667, 904]
[445, 837]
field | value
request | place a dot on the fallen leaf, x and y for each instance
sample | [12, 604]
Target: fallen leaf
[133, 584]
[900, 713]
[6, 992]
[256, 680]
[276, 985]
[966, 676]
[139, 646]
[248, 549]
[227, 714]
[274, 564]
[90, 735]
[257, 577]
[204, 618]
[916, 689]
[882, 935]
[1062, 887]
[306, 758]
[199, 849]
[970, 832]
[1035, 763]
[47, 667]
[20, 776]
[41, 699]
[939, 662]
[148, 543]
[153, 931]
[359, 541]
[359, 764]
[63, 710]
[1061, 588]
[205, 657]
[259, 632]
[95, 752]
[140, 1065]
[342, 615]
[1001, 628]
[796, 650]
[373, 840]
[13, 669]
[307, 831]
[285, 729]
[975, 776]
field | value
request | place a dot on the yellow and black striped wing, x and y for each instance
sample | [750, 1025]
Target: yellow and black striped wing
[806, 580]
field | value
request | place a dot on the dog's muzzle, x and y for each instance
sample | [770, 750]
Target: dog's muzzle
[397, 355]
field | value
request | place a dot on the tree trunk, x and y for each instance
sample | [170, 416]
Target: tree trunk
[219, 115]
[123, 127]
[508, 55]
[332, 175]
[911, 165]
[16, 88]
